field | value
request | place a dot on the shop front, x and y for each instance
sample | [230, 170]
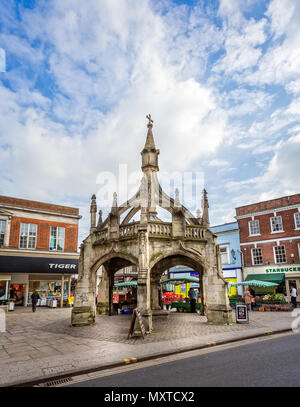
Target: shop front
[52, 278]
[233, 275]
[284, 275]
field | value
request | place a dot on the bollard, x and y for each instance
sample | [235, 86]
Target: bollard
[2, 321]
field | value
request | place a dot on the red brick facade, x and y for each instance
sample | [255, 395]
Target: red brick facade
[24, 203]
[44, 215]
[285, 207]
[43, 233]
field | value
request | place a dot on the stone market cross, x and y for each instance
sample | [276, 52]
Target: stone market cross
[153, 246]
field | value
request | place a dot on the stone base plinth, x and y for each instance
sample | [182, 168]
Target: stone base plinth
[82, 316]
[219, 315]
[102, 308]
[147, 320]
[160, 312]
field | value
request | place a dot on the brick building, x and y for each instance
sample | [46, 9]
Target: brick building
[270, 241]
[38, 249]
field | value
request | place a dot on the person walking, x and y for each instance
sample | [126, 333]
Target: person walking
[293, 293]
[247, 298]
[192, 297]
[34, 299]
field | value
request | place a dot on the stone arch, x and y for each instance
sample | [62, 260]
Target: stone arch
[111, 263]
[113, 255]
[174, 258]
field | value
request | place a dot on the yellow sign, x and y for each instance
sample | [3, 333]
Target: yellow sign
[231, 289]
[71, 300]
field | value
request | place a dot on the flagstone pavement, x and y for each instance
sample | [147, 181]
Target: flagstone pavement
[43, 344]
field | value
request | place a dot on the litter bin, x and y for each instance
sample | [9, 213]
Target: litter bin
[10, 306]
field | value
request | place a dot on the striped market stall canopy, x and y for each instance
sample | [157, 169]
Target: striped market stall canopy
[180, 280]
[255, 283]
[126, 284]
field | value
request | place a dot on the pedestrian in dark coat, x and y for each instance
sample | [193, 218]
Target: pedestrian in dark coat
[34, 298]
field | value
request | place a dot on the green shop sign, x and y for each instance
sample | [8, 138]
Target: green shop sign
[283, 270]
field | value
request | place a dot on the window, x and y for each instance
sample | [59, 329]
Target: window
[280, 256]
[2, 231]
[57, 238]
[297, 220]
[28, 236]
[276, 224]
[256, 256]
[224, 254]
[254, 227]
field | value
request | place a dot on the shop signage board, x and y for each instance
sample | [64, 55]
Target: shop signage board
[136, 314]
[41, 265]
[241, 314]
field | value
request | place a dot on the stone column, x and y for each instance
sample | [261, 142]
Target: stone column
[62, 291]
[83, 312]
[103, 293]
[217, 308]
[154, 296]
[144, 288]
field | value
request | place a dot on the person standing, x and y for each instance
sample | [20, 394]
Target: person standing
[247, 298]
[293, 293]
[34, 298]
[192, 297]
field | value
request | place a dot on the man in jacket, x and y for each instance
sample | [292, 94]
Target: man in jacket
[34, 298]
[293, 293]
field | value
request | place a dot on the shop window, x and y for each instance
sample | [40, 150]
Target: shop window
[224, 250]
[297, 220]
[57, 238]
[256, 256]
[280, 256]
[3, 290]
[254, 227]
[28, 236]
[2, 231]
[276, 224]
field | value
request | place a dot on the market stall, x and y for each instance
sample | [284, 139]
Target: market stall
[125, 302]
[266, 302]
[178, 302]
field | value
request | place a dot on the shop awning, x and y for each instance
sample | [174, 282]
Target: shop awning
[271, 278]
[180, 280]
[126, 284]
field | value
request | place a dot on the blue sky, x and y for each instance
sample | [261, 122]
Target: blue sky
[220, 78]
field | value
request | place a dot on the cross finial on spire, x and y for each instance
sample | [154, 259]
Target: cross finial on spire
[150, 123]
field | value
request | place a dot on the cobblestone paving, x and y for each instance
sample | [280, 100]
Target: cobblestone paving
[43, 344]
[115, 329]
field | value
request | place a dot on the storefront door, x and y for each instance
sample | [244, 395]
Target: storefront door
[293, 282]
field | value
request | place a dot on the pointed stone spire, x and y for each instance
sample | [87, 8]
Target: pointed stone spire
[205, 207]
[93, 211]
[149, 140]
[114, 207]
[100, 221]
[149, 153]
[198, 214]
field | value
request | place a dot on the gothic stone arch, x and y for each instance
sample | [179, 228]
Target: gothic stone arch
[151, 245]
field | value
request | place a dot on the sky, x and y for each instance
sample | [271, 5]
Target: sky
[221, 79]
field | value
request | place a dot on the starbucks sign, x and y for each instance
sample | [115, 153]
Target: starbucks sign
[283, 269]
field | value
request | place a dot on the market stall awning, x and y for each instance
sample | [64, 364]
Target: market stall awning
[256, 283]
[272, 278]
[180, 280]
[126, 284]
